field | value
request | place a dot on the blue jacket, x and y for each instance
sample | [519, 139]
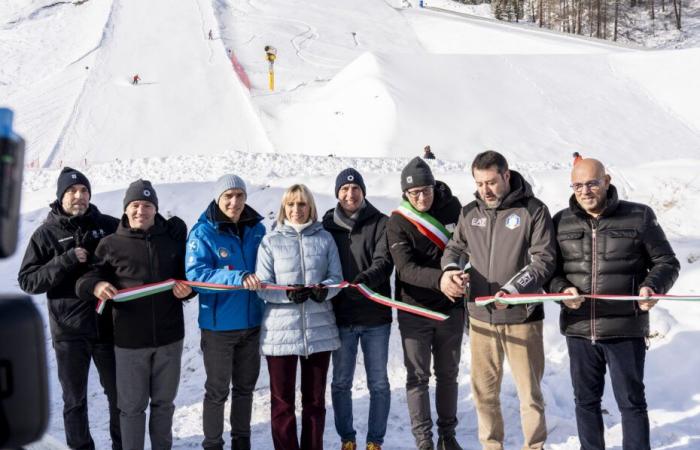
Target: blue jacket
[216, 254]
[289, 257]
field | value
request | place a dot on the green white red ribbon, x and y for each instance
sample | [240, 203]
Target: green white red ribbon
[426, 224]
[134, 293]
[522, 299]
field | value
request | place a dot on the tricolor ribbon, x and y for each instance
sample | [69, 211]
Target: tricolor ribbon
[134, 293]
[426, 224]
[522, 299]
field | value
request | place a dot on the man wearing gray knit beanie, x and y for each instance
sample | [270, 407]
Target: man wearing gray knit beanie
[222, 248]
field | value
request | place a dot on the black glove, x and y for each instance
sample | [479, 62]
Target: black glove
[319, 293]
[299, 295]
[361, 278]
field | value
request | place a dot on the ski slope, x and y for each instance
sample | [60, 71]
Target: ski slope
[371, 83]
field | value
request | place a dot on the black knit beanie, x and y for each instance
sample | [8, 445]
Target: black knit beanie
[140, 190]
[349, 176]
[67, 178]
[416, 173]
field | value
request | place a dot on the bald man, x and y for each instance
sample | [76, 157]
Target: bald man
[608, 246]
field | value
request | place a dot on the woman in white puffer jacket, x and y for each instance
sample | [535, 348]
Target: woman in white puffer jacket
[298, 325]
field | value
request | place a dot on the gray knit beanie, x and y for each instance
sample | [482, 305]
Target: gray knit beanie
[226, 182]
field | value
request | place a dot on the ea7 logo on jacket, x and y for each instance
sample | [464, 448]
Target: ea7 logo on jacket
[513, 221]
[524, 280]
[479, 221]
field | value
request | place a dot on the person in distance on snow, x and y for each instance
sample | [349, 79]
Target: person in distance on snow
[56, 257]
[148, 331]
[418, 278]
[359, 231]
[608, 246]
[222, 248]
[298, 325]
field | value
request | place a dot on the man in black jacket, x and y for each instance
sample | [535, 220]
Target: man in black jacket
[417, 233]
[508, 238]
[359, 231]
[148, 331]
[56, 257]
[609, 246]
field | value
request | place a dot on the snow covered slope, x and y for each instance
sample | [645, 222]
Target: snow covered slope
[188, 101]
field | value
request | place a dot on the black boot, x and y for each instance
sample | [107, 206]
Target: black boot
[240, 443]
[448, 443]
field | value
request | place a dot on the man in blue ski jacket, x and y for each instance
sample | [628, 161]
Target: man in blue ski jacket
[222, 249]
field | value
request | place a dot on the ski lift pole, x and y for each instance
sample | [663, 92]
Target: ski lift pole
[271, 53]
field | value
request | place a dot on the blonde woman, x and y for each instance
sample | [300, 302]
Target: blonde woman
[298, 325]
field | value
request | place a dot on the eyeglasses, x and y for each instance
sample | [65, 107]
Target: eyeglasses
[425, 192]
[592, 185]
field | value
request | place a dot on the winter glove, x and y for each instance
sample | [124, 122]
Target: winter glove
[319, 293]
[299, 295]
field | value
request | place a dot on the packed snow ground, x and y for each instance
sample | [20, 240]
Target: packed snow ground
[371, 83]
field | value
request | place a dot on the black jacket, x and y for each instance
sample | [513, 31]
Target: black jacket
[417, 258]
[628, 250]
[50, 266]
[131, 258]
[362, 250]
[510, 247]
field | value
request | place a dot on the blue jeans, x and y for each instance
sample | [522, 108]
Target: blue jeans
[624, 358]
[375, 348]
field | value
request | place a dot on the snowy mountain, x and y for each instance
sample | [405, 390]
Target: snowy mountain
[371, 83]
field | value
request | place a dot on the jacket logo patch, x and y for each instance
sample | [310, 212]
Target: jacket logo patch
[194, 245]
[479, 221]
[451, 227]
[524, 280]
[223, 253]
[513, 221]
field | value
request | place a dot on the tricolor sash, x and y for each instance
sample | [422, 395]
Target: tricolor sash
[426, 224]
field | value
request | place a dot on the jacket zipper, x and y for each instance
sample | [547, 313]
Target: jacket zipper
[303, 314]
[594, 274]
[493, 233]
[150, 272]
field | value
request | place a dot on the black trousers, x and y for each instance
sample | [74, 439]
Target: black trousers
[232, 363]
[73, 363]
[625, 359]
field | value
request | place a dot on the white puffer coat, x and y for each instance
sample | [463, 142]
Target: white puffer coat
[288, 257]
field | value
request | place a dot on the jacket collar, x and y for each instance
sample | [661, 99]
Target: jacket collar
[366, 213]
[58, 217]
[249, 217]
[159, 227]
[286, 230]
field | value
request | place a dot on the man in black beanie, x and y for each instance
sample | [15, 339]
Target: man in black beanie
[148, 331]
[417, 233]
[359, 230]
[55, 258]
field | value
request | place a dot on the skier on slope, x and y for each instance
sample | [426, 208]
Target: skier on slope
[136, 79]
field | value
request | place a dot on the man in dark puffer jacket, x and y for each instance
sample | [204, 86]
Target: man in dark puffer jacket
[609, 246]
[56, 257]
[148, 331]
